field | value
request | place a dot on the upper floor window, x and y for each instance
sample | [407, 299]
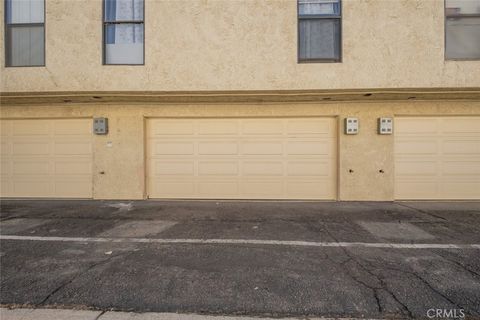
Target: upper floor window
[24, 33]
[123, 32]
[319, 30]
[462, 29]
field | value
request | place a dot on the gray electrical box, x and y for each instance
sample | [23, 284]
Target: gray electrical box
[100, 125]
[385, 125]
[351, 125]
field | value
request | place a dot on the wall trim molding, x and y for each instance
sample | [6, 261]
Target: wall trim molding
[248, 96]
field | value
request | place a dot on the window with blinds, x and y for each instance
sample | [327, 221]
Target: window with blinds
[24, 33]
[123, 32]
[319, 30]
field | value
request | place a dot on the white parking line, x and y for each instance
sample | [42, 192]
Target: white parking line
[249, 241]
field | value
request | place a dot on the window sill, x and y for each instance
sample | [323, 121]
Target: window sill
[36, 66]
[319, 61]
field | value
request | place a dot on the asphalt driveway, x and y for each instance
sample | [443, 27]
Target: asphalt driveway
[339, 259]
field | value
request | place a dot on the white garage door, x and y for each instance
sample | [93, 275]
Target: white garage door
[242, 158]
[437, 158]
[46, 158]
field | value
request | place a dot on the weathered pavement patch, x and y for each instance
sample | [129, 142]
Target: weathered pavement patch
[242, 279]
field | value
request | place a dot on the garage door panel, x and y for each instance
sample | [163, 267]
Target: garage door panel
[173, 189]
[461, 168]
[263, 168]
[310, 127]
[262, 189]
[460, 190]
[72, 148]
[262, 148]
[6, 167]
[5, 148]
[172, 167]
[73, 167]
[173, 148]
[309, 147]
[242, 158]
[262, 127]
[412, 147]
[32, 188]
[31, 168]
[221, 188]
[450, 170]
[218, 148]
[46, 160]
[215, 168]
[5, 129]
[461, 147]
[416, 168]
[72, 127]
[459, 125]
[309, 189]
[158, 128]
[31, 149]
[79, 189]
[416, 127]
[416, 189]
[6, 186]
[35, 128]
[309, 168]
[218, 127]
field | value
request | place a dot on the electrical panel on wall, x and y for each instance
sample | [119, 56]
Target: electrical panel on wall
[100, 125]
[385, 125]
[351, 125]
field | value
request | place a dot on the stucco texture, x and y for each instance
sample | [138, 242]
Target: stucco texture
[199, 45]
[123, 163]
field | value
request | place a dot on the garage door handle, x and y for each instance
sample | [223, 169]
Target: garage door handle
[102, 172]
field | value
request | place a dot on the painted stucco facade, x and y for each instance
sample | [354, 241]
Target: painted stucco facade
[200, 46]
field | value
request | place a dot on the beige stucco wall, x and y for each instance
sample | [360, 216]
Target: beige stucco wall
[365, 153]
[245, 45]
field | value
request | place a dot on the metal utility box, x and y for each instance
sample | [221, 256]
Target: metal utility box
[351, 126]
[385, 125]
[100, 125]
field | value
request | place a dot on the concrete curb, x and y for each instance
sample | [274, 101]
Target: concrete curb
[64, 314]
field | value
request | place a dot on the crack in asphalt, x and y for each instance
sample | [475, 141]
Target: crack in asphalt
[464, 267]
[100, 315]
[383, 284]
[79, 274]
[348, 273]
[421, 211]
[357, 280]
[374, 289]
[431, 288]
[3, 219]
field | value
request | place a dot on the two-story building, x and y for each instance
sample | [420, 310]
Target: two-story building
[241, 99]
